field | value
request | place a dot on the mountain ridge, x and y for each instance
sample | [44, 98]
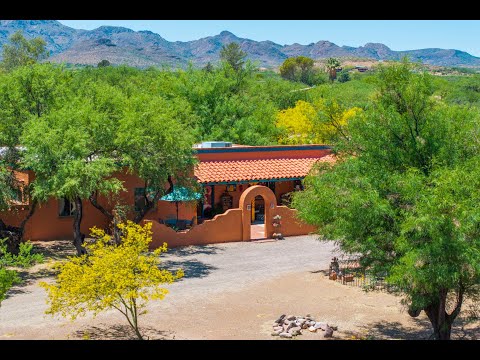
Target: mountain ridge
[121, 45]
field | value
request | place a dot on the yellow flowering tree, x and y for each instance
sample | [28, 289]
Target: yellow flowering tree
[320, 122]
[333, 119]
[122, 277]
[297, 124]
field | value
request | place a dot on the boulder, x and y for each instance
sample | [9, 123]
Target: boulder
[286, 335]
[300, 321]
[312, 329]
[320, 325]
[286, 322]
[305, 326]
[295, 331]
[280, 319]
[277, 328]
[291, 325]
[328, 332]
[275, 333]
[291, 317]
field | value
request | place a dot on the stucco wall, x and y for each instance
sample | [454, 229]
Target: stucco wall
[226, 227]
[290, 224]
[46, 224]
[283, 187]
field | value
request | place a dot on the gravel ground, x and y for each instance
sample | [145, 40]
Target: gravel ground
[230, 291]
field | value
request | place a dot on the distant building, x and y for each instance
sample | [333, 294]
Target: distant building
[361, 68]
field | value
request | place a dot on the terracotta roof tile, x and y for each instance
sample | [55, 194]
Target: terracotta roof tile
[252, 170]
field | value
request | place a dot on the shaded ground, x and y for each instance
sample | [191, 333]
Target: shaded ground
[230, 291]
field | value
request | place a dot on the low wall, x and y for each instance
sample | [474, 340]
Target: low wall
[226, 227]
[14, 216]
[291, 225]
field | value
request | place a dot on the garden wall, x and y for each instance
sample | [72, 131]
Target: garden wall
[291, 225]
[226, 227]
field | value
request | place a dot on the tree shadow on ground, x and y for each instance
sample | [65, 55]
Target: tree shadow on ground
[324, 272]
[55, 250]
[191, 268]
[121, 332]
[420, 330]
[195, 250]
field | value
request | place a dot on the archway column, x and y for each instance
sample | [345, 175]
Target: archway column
[270, 209]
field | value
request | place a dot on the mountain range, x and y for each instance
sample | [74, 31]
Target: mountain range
[121, 45]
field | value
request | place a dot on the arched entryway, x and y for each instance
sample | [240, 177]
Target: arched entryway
[257, 229]
[245, 203]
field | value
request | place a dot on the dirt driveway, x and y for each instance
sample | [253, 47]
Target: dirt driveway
[230, 291]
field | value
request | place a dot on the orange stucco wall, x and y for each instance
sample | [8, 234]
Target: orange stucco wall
[282, 187]
[290, 224]
[226, 227]
[233, 225]
[46, 224]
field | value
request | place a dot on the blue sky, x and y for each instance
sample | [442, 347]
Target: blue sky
[396, 34]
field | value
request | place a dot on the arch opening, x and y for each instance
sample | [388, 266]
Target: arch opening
[258, 204]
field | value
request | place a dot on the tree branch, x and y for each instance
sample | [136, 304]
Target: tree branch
[458, 306]
[94, 202]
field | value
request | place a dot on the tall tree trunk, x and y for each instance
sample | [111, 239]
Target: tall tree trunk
[143, 212]
[113, 217]
[150, 204]
[21, 227]
[117, 232]
[439, 318]
[94, 202]
[78, 237]
[14, 234]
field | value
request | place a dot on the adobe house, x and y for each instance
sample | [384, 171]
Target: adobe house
[242, 188]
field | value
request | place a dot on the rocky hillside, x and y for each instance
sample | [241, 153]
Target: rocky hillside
[144, 48]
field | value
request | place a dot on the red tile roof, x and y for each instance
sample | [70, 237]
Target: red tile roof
[254, 170]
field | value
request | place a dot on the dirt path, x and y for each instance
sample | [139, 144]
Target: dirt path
[231, 291]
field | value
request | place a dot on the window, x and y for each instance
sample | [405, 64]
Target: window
[297, 185]
[66, 207]
[139, 200]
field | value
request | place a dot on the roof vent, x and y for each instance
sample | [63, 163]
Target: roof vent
[215, 144]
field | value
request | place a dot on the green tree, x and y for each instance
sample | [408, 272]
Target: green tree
[298, 68]
[7, 193]
[208, 67]
[26, 94]
[71, 153]
[122, 277]
[21, 51]
[233, 55]
[343, 77]
[404, 196]
[103, 63]
[332, 64]
[154, 143]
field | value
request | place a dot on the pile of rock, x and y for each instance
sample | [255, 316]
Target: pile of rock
[291, 325]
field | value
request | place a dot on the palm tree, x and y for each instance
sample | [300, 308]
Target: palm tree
[332, 65]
